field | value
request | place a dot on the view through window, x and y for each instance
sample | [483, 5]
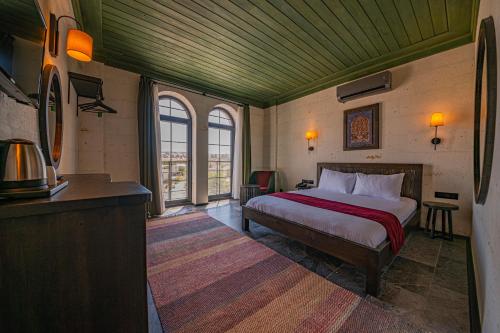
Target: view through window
[175, 126]
[220, 153]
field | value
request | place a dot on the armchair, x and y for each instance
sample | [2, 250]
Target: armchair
[265, 180]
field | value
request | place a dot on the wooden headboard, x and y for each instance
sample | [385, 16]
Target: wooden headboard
[412, 183]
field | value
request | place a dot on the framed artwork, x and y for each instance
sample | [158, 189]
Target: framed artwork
[361, 128]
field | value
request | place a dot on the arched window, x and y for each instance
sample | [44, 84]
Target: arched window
[175, 125]
[220, 153]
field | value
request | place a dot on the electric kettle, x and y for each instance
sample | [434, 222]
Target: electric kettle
[22, 166]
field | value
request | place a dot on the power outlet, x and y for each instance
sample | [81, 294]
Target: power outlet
[446, 195]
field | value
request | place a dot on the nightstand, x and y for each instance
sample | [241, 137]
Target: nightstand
[446, 210]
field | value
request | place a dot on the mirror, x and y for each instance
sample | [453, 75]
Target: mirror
[50, 116]
[485, 108]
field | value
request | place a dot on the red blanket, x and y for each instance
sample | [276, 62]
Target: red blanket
[389, 221]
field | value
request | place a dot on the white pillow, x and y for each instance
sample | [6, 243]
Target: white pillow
[382, 186]
[335, 181]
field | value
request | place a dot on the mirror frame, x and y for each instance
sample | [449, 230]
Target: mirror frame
[486, 43]
[53, 154]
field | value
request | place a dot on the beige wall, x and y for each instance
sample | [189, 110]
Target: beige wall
[200, 106]
[486, 221]
[20, 121]
[109, 144]
[443, 82]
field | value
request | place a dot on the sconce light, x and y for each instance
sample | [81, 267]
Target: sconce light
[437, 120]
[310, 135]
[79, 45]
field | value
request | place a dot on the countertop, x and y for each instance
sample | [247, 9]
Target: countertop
[84, 191]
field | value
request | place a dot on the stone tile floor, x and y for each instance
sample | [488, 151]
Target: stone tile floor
[426, 284]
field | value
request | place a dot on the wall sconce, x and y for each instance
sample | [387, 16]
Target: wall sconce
[79, 45]
[310, 135]
[437, 120]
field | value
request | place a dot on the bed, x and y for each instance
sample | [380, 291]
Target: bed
[352, 239]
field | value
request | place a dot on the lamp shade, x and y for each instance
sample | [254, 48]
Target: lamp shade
[79, 45]
[437, 119]
[311, 135]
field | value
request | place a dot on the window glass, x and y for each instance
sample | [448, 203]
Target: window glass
[220, 153]
[175, 125]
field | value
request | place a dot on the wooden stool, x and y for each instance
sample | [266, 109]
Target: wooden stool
[445, 209]
[247, 192]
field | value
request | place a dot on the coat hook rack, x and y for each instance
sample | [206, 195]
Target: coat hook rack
[88, 87]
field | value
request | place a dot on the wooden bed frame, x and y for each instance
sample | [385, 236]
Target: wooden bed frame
[371, 260]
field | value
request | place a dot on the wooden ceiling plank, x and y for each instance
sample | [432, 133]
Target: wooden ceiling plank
[193, 55]
[431, 46]
[310, 29]
[213, 57]
[122, 42]
[194, 41]
[276, 28]
[225, 24]
[260, 28]
[283, 23]
[459, 15]
[338, 9]
[185, 77]
[162, 77]
[91, 19]
[336, 25]
[179, 72]
[439, 16]
[173, 51]
[409, 20]
[308, 13]
[424, 19]
[359, 15]
[158, 15]
[378, 20]
[393, 19]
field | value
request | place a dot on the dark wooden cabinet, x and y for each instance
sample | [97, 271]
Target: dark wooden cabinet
[75, 262]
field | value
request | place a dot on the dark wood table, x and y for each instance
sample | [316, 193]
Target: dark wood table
[76, 261]
[446, 210]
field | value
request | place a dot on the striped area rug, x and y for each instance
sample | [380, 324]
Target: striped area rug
[206, 277]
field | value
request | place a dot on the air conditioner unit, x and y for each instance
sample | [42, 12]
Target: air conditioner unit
[366, 86]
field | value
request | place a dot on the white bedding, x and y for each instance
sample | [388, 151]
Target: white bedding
[350, 227]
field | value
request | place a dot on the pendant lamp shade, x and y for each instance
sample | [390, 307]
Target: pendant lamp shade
[79, 45]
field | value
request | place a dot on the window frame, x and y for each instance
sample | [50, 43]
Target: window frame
[232, 129]
[188, 122]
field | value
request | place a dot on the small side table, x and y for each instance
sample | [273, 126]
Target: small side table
[446, 210]
[247, 192]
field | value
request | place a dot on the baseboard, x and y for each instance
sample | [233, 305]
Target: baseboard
[474, 319]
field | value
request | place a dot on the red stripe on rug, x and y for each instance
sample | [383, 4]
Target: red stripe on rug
[181, 229]
[222, 292]
[226, 316]
[200, 273]
[180, 246]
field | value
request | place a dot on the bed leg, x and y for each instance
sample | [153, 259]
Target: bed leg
[372, 281]
[245, 223]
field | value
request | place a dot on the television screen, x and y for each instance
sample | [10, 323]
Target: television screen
[22, 40]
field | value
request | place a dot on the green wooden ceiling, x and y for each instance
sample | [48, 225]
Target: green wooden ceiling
[267, 51]
[22, 18]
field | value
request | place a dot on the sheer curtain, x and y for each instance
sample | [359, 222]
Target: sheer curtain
[149, 143]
